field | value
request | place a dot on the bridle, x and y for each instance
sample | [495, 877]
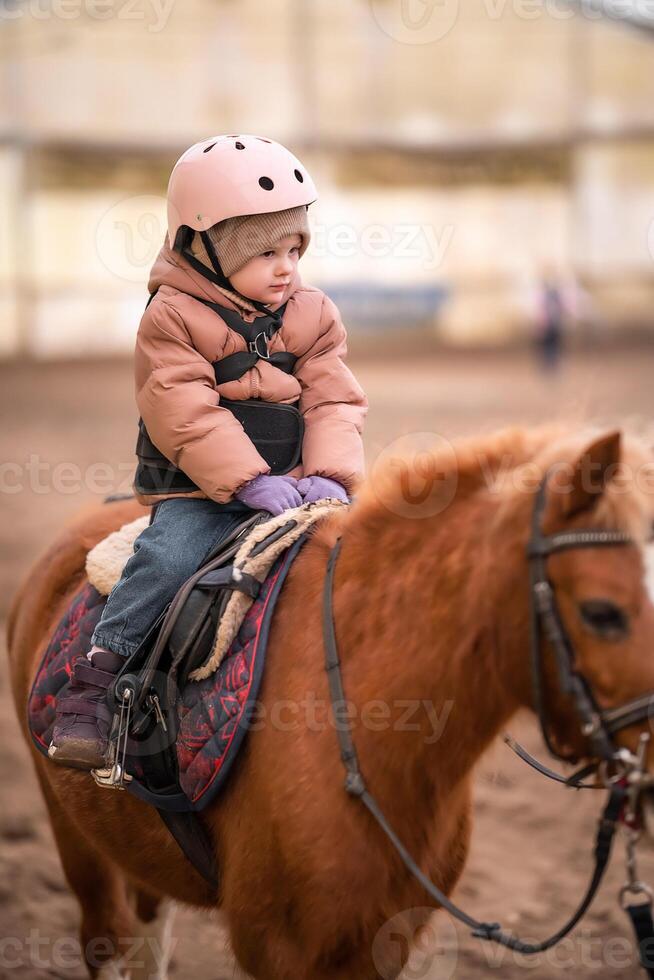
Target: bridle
[624, 774]
[598, 725]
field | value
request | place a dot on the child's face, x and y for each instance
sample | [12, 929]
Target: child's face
[267, 277]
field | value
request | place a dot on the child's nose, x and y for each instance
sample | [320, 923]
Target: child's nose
[284, 265]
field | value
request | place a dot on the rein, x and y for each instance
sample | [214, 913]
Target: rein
[625, 775]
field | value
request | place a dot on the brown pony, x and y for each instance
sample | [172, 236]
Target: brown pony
[431, 612]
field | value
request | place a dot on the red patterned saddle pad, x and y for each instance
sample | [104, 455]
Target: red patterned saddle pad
[214, 714]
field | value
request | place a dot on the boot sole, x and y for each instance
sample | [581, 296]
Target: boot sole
[75, 755]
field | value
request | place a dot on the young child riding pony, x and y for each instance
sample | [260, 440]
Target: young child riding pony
[245, 400]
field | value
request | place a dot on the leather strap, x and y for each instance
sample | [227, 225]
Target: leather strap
[641, 919]
[631, 713]
[190, 834]
[546, 621]
[355, 785]
[231, 577]
[575, 780]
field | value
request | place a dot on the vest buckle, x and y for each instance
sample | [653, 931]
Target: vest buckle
[255, 346]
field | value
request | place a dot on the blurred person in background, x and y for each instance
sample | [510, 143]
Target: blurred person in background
[560, 306]
[550, 322]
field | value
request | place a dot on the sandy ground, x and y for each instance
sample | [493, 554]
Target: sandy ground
[67, 439]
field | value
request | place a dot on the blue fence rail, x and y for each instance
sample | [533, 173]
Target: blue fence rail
[374, 306]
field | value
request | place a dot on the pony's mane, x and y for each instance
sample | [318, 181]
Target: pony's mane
[512, 462]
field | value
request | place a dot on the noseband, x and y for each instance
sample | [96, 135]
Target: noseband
[624, 773]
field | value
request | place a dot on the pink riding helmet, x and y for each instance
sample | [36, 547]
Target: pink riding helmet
[227, 176]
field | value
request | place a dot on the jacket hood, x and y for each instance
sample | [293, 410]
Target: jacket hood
[171, 269]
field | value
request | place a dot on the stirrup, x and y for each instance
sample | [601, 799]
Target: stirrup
[115, 776]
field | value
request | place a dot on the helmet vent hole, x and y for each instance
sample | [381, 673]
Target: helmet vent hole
[298, 176]
[239, 146]
[266, 182]
[207, 148]
[262, 140]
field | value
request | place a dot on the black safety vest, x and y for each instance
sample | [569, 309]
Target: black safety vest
[276, 430]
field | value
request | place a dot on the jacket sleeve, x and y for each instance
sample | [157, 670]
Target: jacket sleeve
[178, 402]
[333, 405]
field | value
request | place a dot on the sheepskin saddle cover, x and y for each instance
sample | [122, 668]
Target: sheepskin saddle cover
[105, 563]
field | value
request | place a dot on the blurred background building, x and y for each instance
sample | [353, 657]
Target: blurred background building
[464, 151]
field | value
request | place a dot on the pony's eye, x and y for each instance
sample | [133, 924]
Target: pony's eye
[604, 618]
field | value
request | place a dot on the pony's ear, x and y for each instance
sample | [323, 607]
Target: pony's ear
[591, 473]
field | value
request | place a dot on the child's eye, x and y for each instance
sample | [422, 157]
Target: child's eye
[267, 255]
[296, 248]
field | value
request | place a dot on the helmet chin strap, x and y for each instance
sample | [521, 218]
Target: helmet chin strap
[218, 276]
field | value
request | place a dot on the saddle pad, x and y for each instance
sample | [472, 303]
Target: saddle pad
[214, 714]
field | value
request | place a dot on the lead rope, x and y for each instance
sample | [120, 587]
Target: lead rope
[641, 919]
[355, 785]
[639, 912]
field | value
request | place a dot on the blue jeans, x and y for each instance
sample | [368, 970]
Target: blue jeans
[173, 547]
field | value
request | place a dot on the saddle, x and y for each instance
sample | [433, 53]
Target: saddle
[181, 639]
[180, 710]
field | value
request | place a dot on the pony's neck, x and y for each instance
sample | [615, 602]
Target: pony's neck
[433, 647]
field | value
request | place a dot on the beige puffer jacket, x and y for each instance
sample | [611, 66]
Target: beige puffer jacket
[179, 400]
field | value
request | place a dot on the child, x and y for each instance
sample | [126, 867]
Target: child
[245, 400]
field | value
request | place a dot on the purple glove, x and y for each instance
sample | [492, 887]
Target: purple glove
[315, 488]
[272, 493]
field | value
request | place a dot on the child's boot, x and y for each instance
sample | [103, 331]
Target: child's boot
[80, 738]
